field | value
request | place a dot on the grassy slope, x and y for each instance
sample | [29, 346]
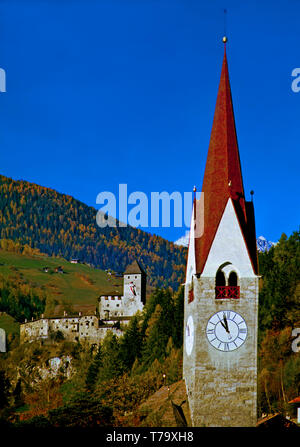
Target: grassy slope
[76, 289]
[9, 324]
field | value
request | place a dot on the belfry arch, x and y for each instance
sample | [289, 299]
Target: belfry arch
[227, 282]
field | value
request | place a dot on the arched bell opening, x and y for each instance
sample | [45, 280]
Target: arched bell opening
[220, 278]
[232, 279]
[227, 288]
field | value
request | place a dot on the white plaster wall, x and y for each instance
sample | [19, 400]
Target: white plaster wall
[229, 246]
[129, 280]
[191, 261]
[2, 340]
[132, 303]
[113, 305]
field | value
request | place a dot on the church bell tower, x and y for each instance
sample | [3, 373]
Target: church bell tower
[221, 288]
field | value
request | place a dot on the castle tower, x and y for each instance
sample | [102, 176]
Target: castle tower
[221, 288]
[134, 295]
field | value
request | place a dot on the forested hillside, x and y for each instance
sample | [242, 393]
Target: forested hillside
[100, 385]
[279, 314]
[105, 385]
[60, 225]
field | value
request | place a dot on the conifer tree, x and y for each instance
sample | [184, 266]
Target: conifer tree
[131, 343]
[18, 394]
[112, 365]
[178, 317]
[4, 390]
[93, 370]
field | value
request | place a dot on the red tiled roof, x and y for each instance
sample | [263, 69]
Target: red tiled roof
[294, 401]
[223, 178]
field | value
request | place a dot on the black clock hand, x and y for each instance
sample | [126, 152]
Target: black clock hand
[223, 325]
[226, 324]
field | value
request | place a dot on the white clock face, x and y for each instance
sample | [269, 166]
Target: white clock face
[189, 335]
[226, 330]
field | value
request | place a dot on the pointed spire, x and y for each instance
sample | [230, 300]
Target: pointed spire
[223, 175]
[223, 154]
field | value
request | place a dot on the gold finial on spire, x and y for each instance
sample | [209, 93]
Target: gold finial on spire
[225, 26]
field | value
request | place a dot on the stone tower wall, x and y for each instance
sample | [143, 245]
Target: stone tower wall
[132, 303]
[221, 386]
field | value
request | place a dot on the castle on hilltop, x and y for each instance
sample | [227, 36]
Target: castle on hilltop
[113, 310]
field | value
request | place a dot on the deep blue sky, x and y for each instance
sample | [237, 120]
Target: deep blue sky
[107, 92]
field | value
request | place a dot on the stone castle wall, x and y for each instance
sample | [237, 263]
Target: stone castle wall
[112, 309]
[111, 306]
[81, 328]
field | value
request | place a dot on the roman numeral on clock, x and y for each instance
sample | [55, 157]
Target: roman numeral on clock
[226, 330]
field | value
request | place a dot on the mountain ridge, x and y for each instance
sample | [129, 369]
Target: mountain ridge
[262, 243]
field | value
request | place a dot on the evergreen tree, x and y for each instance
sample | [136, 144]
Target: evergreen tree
[178, 317]
[156, 339]
[93, 370]
[4, 390]
[279, 297]
[18, 394]
[131, 343]
[112, 365]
